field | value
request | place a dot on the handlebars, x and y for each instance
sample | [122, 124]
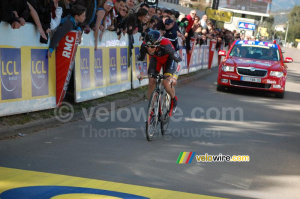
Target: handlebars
[159, 77]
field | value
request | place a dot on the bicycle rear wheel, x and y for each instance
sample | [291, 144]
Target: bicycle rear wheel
[152, 115]
[165, 118]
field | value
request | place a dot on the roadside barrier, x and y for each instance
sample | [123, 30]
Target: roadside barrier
[30, 81]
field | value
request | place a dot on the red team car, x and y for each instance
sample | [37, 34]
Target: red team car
[254, 65]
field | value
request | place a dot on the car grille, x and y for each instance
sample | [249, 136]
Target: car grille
[249, 84]
[256, 72]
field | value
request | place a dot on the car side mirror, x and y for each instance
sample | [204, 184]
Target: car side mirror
[222, 53]
[288, 60]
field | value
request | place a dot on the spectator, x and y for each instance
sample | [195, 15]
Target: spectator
[118, 5]
[171, 33]
[21, 12]
[145, 6]
[130, 4]
[66, 5]
[210, 26]
[158, 12]
[103, 19]
[152, 11]
[203, 40]
[203, 21]
[43, 9]
[196, 24]
[77, 15]
[121, 25]
[56, 14]
[91, 9]
[136, 21]
[189, 31]
[153, 22]
[7, 15]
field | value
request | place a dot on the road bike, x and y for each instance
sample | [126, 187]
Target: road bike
[158, 107]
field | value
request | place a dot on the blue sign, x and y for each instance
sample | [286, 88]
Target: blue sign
[39, 72]
[113, 74]
[11, 78]
[258, 43]
[246, 26]
[124, 65]
[85, 68]
[99, 81]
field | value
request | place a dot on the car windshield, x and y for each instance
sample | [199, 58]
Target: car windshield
[255, 52]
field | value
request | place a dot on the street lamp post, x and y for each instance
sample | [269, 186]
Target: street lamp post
[287, 29]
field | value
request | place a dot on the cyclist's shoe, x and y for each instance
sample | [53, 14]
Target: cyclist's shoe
[173, 106]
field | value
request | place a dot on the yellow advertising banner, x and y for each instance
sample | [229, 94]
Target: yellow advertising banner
[218, 15]
[263, 32]
[101, 72]
[297, 40]
[27, 80]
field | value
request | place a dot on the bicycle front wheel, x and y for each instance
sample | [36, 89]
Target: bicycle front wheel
[165, 118]
[152, 115]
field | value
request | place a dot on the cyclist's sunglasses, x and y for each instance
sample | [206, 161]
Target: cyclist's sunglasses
[152, 46]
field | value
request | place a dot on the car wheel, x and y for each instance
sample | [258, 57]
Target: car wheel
[279, 95]
[220, 88]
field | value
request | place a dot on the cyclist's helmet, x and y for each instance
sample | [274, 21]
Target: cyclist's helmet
[153, 38]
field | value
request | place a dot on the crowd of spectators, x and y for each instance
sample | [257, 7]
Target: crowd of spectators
[119, 16]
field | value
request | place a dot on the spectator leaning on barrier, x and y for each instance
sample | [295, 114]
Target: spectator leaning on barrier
[189, 31]
[77, 15]
[121, 21]
[203, 21]
[130, 4]
[136, 21]
[158, 12]
[171, 33]
[91, 8]
[56, 14]
[43, 10]
[152, 11]
[7, 15]
[102, 19]
[66, 5]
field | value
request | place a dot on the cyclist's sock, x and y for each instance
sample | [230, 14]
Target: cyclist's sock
[173, 105]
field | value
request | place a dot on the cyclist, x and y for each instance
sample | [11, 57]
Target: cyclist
[162, 54]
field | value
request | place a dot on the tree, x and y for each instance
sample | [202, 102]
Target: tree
[294, 24]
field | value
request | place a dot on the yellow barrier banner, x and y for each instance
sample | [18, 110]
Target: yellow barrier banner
[101, 72]
[27, 80]
[218, 15]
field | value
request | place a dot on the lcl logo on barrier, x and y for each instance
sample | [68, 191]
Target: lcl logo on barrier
[39, 72]
[113, 65]
[124, 67]
[98, 65]
[85, 67]
[11, 81]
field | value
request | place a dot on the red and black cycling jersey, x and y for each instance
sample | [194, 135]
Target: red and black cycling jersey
[164, 51]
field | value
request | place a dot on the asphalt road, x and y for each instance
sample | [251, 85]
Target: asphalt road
[111, 146]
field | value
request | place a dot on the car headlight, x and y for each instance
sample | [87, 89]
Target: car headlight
[228, 68]
[276, 73]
